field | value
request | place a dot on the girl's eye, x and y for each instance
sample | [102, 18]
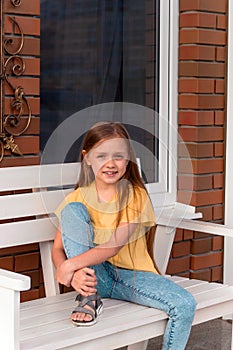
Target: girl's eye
[118, 156]
[100, 156]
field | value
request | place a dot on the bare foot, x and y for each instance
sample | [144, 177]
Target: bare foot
[80, 316]
[87, 310]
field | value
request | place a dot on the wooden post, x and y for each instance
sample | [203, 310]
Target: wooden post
[9, 318]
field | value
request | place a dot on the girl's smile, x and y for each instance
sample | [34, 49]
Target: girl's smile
[110, 173]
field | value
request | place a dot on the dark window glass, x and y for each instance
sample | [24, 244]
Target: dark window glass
[95, 52]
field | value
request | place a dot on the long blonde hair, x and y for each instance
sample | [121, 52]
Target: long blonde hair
[101, 132]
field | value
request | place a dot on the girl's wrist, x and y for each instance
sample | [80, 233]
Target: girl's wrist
[72, 265]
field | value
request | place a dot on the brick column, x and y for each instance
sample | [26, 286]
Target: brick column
[24, 259]
[26, 14]
[201, 118]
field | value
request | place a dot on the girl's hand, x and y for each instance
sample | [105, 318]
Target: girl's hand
[84, 281]
[64, 273]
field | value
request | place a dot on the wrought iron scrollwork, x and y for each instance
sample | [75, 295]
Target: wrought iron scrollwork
[16, 2]
[13, 65]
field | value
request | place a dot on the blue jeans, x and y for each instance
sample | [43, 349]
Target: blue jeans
[144, 288]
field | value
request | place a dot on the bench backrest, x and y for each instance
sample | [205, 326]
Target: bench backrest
[29, 196]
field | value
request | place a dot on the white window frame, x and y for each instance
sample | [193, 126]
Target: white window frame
[164, 192]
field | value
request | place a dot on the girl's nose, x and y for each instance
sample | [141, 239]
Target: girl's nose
[110, 162]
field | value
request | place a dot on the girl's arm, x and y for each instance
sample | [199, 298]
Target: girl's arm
[98, 254]
[83, 281]
[58, 254]
[59, 257]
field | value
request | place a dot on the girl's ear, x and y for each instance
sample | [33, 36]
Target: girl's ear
[85, 157]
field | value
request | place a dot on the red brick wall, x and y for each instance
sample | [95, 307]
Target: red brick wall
[202, 77]
[27, 16]
[25, 259]
[201, 118]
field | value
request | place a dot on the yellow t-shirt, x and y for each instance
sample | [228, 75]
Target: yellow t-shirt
[104, 218]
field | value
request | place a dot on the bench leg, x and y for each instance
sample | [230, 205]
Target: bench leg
[232, 336]
[9, 319]
[138, 346]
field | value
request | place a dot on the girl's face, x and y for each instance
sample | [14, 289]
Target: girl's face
[108, 160]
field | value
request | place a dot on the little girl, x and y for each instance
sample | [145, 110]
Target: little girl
[101, 248]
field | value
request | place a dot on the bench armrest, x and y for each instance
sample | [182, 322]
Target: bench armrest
[14, 281]
[165, 233]
[196, 225]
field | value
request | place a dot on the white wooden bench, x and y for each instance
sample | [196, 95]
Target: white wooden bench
[44, 323]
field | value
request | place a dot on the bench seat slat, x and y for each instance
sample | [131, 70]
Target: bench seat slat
[46, 324]
[105, 342]
[185, 282]
[215, 296]
[196, 289]
[62, 314]
[107, 325]
[69, 305]
[70, 296]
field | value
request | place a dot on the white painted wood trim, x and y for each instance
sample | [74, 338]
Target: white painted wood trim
[37, 203]
[14, 281]
[165, 191]
[165, 237]
[34, 231]
[51, 286]
[173, 99]
[199, 226]
[38, 177]
[164, 59]
[9, 318]
[177, 210]
[139, 346]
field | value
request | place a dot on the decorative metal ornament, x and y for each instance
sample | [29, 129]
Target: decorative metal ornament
[12, 65]
[16, 3]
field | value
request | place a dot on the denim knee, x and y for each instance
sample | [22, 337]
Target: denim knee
[187, 306]
[76, 229]
[190, 304]
[76, 209]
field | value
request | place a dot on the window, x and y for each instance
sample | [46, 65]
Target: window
[111, 60]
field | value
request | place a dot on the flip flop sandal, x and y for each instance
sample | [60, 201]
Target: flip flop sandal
[96, 304]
